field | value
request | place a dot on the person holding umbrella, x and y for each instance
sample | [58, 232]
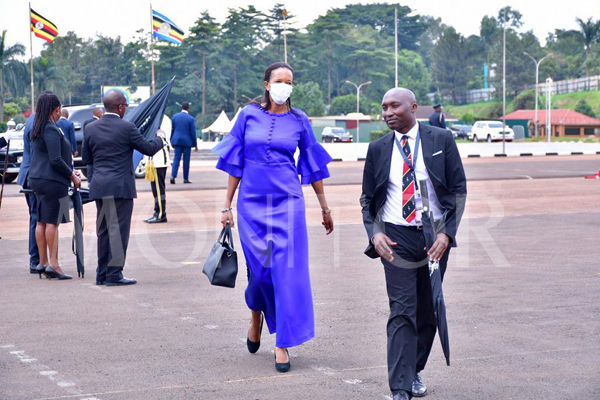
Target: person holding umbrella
[392, 209]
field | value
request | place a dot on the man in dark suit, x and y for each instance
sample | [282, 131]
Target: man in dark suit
[437, 119]
[183, 138]
[108, 146]
[68, 130]
[96, 115]
[22, 180]
[391, 207]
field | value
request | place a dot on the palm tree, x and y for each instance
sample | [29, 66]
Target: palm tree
[8, 66]
[48, 76]
[590, 32]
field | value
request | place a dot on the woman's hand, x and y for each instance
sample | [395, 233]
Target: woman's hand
[328, 223]
[227, 216]
[76, 180]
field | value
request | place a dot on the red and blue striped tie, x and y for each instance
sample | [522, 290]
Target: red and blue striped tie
[408, 184]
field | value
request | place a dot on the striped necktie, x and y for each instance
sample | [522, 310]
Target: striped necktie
[408, 185]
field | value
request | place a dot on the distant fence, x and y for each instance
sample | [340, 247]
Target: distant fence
[469, 96]
[571, 85]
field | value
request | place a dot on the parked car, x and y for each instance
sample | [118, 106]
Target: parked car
[79, 114]
[15, 155]
[490, 131]
[333, 134]
[460, 131]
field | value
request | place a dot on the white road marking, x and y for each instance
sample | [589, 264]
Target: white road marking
[44, 370]
[211, 326]
[353, 381]
[188, 318]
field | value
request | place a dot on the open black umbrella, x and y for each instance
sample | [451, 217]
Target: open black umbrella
[148, 115]
[430, 230]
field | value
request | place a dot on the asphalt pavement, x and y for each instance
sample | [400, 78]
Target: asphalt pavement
[521, 290]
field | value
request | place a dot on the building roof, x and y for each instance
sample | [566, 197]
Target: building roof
[558, 117]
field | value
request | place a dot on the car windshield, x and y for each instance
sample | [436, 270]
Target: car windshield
[495, 125]
[338, 130]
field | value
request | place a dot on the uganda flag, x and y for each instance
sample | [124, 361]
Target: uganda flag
[165, 29]
[43, 28]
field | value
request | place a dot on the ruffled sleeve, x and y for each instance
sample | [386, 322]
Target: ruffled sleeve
[313, 159]
[231, 149]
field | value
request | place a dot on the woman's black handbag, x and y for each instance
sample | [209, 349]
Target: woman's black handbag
[221, 266]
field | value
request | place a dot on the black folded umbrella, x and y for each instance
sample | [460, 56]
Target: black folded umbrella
[430, 230]
[149, 114]
[78, 199]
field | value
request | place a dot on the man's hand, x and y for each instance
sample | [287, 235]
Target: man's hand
[196, 148]
[75, 153]
[439, 247]
[382, 245]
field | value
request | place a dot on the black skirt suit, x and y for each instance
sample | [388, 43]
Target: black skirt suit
[50, 173]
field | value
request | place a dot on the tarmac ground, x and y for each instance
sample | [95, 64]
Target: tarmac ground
[522, 293]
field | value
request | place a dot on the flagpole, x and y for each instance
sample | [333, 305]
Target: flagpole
[396, 43]
[31, 61]
[152, 49]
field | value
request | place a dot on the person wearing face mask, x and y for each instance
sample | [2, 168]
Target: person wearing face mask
[108, 146]
[50, 176]
[258, 155]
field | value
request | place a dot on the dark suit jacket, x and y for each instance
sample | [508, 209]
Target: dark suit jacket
[69, 130]
[51, 156]
[183, 130]
[89, 121]
[108, 146]
[445, 170]
[3, 142]
[27, 150]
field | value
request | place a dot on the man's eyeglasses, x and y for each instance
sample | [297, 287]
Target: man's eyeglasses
[124, 104]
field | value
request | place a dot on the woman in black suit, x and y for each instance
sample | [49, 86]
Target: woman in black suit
[50, 176]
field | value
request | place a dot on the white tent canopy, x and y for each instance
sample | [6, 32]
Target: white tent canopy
[221, 125]
[235, 117]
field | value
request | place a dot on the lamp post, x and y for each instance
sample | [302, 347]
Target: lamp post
[537, 77]
[358, 105]
[549, 109]
[504, 91]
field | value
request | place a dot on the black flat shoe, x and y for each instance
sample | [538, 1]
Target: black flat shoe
[172, 181]
[187, 181]
[51, 273]
[151, 218]
[254, 346]
[283, 367]
[122, 282]
[156, 220]
[100, 283]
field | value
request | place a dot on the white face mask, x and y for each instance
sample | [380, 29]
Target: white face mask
[280, 92]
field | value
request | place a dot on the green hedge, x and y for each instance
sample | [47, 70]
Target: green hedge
[378, 134]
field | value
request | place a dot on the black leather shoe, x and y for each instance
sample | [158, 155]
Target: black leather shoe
[187, 181]
[418, 386]
[33, 269]
[122, 282]
[283, 367]
[151, 218]
[100, 283]
[156, 220]
[172, 181]
[51, 273]
[401, 395]
[254, 346]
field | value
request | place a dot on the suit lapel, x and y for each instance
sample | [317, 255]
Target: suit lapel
[386, 159]
[427, 143]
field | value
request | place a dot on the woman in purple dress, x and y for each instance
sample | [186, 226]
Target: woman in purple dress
[258, 155]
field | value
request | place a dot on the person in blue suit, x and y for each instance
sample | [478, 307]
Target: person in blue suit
[34, 254]
[183, 138]
[68, 129]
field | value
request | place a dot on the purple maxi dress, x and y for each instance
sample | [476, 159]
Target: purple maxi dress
[271, 214]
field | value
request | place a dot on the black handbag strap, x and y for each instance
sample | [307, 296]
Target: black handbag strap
[226, 237]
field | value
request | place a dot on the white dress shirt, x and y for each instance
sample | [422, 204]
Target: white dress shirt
[392, 209]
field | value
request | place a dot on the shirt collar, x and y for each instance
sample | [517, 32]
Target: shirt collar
[115, 114]
[95, 117]
[185, 111]
[62, 118]
[412, 134]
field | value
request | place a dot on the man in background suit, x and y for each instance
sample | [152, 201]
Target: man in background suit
[68, 130]
[437, 119]
[183, 138]
[96, 115]
[34, 255]
[108, 147]
[391, 217]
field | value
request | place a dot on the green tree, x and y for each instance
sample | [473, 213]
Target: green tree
[525, 100]
[48, 76]
[11, 110]
[583, 107]
[66, 54]
[346, 104]
[309, 98]
[8, 66]
[590, 33]
[448, 58]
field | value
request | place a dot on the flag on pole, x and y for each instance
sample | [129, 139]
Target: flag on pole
[42, 27]
[165, 29]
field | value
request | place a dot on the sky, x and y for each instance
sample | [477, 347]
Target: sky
[123, 17]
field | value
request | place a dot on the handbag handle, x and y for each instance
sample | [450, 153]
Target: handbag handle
[225, 236]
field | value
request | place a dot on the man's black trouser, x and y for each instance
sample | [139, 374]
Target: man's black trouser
[113, 223]
[161, 173]
[411, 326]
